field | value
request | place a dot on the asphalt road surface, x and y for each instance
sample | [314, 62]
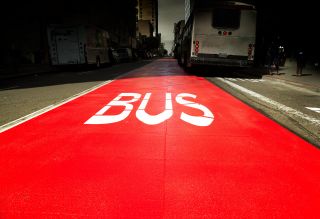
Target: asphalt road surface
[293, 105]
[156, 142]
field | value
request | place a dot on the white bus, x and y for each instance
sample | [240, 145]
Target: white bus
[73, 45]
[218, 33]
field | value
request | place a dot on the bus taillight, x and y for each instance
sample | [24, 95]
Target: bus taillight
[196, 48]
[251, 52]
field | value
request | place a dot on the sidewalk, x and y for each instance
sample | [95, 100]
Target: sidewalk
[21, 70]
[310, 76]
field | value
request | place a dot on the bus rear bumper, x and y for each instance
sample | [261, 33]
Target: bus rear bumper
[237, 62]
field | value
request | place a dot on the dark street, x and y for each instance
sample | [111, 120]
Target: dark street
[159, 109]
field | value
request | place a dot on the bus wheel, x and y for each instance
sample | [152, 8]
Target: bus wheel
[180, 60]
[98, 64]
[185, 60]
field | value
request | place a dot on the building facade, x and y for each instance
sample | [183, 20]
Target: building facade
[145, 28]
[148, 10]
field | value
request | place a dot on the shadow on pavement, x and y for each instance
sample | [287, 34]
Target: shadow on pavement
[229, 72]
[69, 75]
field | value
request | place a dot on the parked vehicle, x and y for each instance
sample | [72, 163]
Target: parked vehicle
[114, 56]
[74, 45]
[218, 33]
[124, 54]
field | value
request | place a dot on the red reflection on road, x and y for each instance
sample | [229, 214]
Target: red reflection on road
[174, 146]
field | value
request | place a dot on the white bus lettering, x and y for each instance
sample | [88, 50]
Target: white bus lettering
[154, 119]
[100, 118]
[204, 120]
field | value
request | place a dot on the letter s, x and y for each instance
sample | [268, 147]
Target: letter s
[204, 120]
[99, 118]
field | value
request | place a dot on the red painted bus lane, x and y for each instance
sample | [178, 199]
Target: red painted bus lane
[158, 143]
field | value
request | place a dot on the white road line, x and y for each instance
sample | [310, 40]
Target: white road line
[241, 79]
[231, 79]
[23, 119]
[276, 105]
[254, 80]
[315, 109]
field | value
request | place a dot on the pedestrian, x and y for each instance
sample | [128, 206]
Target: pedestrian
[300, 61]
[269, 61]
[276, 60]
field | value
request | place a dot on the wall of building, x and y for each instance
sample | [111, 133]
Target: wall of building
[148, 10]
[144, 28]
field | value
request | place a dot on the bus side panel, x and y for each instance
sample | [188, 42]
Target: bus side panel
[193, 37]
[52, 45]
[64, 45]
[96, 47]
[97, 53]
[82, 44]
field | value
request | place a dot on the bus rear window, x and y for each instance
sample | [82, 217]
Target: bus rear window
[226, 18]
